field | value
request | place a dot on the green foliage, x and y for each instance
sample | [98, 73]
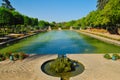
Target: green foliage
[14, 22]
[2, 57]
[101, 4]
[22, 55]
[107, 16]
[5, 17]
[7, 5]
[107, 56]
[115, 56]
[43, 24]
[15, 56]
[61, 65]
[111, 13]
[18, 18]
[34, 21]
[70, 23]
[7, 55]
[27, 20]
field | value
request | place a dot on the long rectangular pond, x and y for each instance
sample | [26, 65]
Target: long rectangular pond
[60, 42]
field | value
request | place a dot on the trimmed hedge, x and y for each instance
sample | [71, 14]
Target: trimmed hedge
[114, 56]
[107, 56]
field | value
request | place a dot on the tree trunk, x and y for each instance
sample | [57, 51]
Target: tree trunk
[113, 30]
[65, 78]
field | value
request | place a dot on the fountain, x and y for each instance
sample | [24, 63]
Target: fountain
[59, 29]
[49, 28]
[71, 28]
[62, 67]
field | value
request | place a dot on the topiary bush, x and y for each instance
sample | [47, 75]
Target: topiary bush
[2, 57]
[16, 56]
[7, 55]
[107, 56]
[13, 56]
[62, 65]
[115, 57]
[22, 55]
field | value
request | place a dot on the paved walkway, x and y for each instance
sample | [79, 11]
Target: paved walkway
[96, 68]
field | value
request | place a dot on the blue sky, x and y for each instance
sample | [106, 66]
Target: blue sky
[54, 10]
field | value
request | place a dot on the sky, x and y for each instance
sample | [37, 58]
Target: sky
[54, 10]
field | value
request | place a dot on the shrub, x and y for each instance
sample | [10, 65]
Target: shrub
[61, 65]
[22, 56]
[13, 56]
[7, 55]
[16, 56]
[107, 56]
[115, 56]
[2, 57]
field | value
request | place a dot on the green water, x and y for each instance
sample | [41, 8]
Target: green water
[61, 42]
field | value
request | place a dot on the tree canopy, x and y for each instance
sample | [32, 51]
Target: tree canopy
[7, 4]
[101, 4]
[107, 16]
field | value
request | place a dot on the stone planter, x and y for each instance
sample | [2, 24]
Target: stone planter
[79, 68]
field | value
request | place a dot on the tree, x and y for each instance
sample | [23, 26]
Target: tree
[111, 12]
[101, 4]
[67, 25]
[82, 21]
[26, 20]
[6, 19]
[13, 21]
[34, 21]
[7, 5]
[91, 18]
[18, 18]
[18, 21]
[77, 24]
[107, 16]
[43, 24]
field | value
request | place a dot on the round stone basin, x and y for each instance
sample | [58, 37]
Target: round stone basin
[79, 68]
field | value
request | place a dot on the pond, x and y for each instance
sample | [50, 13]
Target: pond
[60, 42]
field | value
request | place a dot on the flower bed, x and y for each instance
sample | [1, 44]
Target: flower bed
[13, 56]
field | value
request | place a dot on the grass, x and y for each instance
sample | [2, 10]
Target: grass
[100, 46]
[102, 35]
